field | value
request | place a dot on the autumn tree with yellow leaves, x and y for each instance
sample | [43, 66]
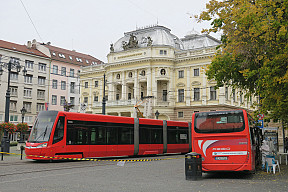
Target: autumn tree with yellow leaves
[254, 51]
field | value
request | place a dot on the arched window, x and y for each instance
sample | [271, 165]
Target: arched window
[142, 73]
[130, 74]
[163, 72]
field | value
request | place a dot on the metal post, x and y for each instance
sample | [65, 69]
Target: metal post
[5, 147]
[283, 129]
[5, 143]
[104, 99]
[23, 111]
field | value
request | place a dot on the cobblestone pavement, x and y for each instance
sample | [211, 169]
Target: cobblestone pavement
[27, 175]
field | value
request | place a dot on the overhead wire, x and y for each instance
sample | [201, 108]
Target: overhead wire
[31, 21]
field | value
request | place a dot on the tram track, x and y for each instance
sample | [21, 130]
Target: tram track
[50, 169]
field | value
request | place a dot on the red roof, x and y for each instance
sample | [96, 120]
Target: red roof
[72, 57]
[20, 48]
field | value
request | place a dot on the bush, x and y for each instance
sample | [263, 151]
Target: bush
[10, 127]
[22, 127]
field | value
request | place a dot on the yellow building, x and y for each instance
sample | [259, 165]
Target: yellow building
[166, 72]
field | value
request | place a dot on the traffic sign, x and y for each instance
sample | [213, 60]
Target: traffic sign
[261, 126]
[260, 116]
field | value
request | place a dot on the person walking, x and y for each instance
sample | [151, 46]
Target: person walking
[286, 145]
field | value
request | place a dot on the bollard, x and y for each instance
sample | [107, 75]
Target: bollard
[193, 166]
[22, 149]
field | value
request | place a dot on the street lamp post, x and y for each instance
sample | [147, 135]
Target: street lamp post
[13, 63]
[104, 98]
[23, 111]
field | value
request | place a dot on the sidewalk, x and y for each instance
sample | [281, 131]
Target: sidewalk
[14, 156]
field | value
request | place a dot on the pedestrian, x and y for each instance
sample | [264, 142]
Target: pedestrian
[264, 152]
[286, 145]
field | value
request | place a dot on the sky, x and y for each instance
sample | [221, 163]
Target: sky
[90, 26]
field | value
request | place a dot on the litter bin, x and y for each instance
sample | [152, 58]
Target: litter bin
[193, 166]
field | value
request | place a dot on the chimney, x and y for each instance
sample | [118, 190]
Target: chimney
[29, 44]
[34, 43]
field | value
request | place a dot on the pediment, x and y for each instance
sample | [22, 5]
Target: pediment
[195, 83]
[212, 82]
[85, 93]
[180, 85]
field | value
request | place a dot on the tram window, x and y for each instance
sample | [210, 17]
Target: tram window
[177, 135]
[150, 134]
[59, 130]
[126, 134]
[77, 133]
[111, 134]
[98, 134]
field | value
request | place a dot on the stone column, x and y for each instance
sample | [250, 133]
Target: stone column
[124, 96]
[188, 87]
[136, 86]
[204, 90]
[171, 88]
[110, 87]
[149, 86]
[154, 85]
[221, 95]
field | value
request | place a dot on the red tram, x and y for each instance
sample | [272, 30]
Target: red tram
[78, 135]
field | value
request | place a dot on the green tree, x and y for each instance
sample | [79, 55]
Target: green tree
[254, 51]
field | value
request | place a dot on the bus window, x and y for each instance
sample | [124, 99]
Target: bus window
[59, 130]
[219, 122]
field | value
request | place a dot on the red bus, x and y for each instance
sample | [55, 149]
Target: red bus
[226, 140]
[79, 135]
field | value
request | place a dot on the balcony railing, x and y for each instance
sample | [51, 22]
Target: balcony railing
[115, 103]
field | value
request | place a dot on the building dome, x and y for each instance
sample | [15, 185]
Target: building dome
[148, 36]
[192, 33]
[196, 40]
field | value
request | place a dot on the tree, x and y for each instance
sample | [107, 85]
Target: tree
[253, 55]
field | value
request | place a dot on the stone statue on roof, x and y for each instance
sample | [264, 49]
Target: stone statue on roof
[111, 48]
[150, 41]
[132, 43]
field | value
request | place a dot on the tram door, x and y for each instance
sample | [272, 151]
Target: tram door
[112, 141]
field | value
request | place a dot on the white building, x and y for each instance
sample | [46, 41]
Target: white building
[153, 62]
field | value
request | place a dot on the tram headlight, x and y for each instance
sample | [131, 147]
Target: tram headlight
[42, 145]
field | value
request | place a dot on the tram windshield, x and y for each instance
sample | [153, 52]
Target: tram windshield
[43, 126]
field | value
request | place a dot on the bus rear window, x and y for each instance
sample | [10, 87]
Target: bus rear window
[219, 122]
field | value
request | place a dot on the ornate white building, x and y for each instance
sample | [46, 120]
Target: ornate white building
[168, 72]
